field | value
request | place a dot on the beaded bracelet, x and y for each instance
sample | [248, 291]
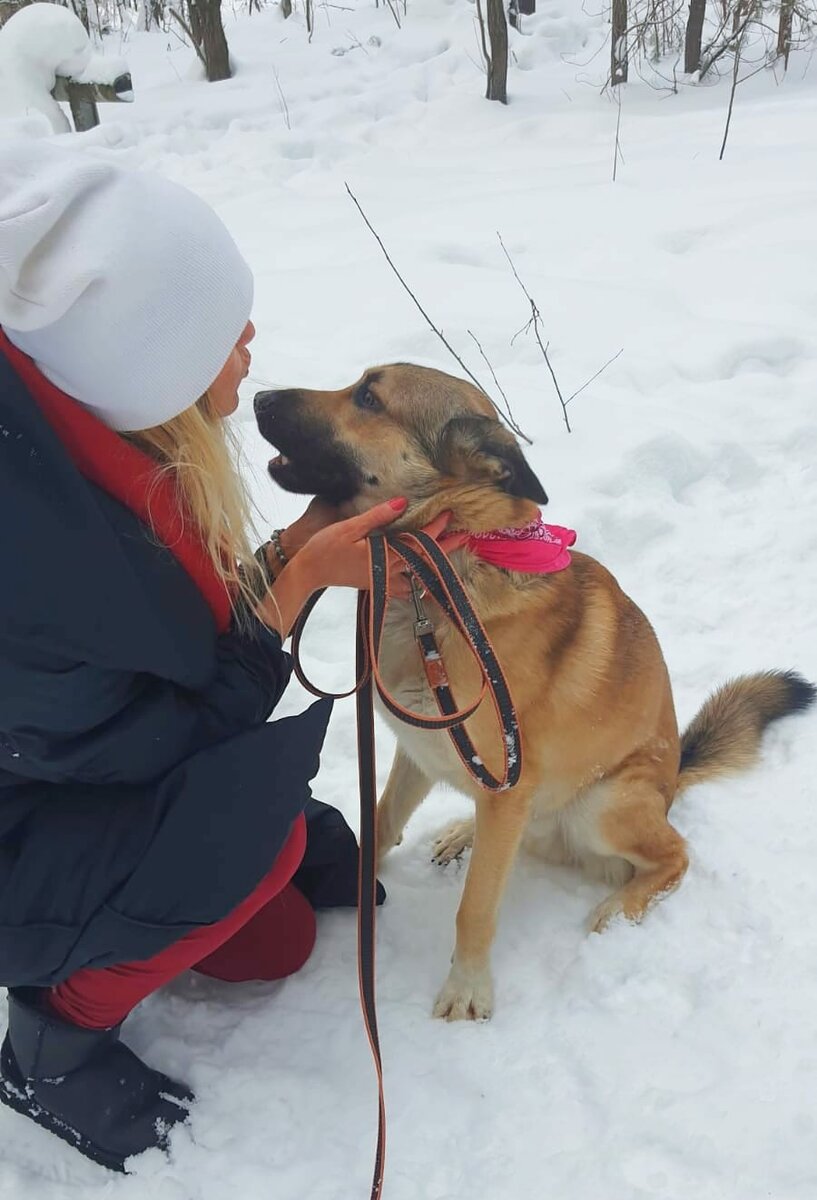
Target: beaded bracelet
[275, 542]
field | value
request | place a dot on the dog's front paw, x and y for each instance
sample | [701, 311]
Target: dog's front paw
[608, 911]
[453, 842]
[466, 996]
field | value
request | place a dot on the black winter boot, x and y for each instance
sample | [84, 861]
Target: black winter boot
[84, 1085]
[327, 875]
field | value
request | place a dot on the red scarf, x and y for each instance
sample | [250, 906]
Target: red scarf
[533, 549]
[124, 472]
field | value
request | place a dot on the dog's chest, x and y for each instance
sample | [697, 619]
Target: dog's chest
[401, 669]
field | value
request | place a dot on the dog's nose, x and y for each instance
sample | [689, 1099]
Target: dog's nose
[262, 402]
[265, 402]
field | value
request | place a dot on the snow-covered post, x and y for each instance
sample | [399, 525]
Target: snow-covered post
[84, 96]
[46, 56]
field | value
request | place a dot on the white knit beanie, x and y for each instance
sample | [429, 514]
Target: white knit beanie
[126, 289]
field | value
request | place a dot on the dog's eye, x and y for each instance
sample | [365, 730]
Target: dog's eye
[365, 398]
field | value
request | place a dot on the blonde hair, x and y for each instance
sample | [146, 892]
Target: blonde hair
[200, 452]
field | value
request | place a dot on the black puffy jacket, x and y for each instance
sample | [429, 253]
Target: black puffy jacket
[142, 792]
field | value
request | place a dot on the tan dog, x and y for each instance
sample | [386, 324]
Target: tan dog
[602, 757]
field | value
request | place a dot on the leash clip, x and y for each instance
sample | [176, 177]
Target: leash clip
[422, 628]
[422, 624]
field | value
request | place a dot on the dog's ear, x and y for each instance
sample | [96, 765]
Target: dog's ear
[478, 448]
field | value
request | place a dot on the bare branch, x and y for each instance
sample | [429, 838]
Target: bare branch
[510, 422]
[535, 321]
[483, 39]
[189, 33]
[735, 82]
[617, 148]
[283, 99]
[499, 387]
[592, 378]
[712, 53]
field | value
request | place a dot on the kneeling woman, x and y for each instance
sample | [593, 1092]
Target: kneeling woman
[151, 820]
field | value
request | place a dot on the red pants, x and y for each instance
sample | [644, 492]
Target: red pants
[270, 935]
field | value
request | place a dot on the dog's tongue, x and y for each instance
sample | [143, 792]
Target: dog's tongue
[280, 460]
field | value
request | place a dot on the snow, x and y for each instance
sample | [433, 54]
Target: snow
[104, 69]
[672, 1060]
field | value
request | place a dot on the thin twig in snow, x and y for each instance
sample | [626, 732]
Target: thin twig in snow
[578, 391]
[512, 424]
[483, 40]
[284, 105]
[735, 69]
[499, 386]
[617, 149]
[535, 322]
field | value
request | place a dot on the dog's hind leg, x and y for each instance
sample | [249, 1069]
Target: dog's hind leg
[468, 992]
[405, 790]
[631, 824]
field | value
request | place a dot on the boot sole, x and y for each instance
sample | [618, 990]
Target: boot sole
[17, 1100]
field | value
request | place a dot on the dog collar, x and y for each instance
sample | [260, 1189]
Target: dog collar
[533, 549]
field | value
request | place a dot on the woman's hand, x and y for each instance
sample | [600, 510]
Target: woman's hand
[319, 515]
[337, 556]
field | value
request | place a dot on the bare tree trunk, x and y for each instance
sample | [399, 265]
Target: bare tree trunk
[497, 88]
[694, 35]
[208, 33]
[784, 31]
[526, 7]
[618, 49]
[286, 8]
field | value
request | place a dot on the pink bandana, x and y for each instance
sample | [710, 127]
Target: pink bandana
[534, 549]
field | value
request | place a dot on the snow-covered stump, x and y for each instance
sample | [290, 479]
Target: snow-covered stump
[46, 56]
[83, 97]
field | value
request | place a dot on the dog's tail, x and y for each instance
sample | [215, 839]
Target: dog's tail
[725, 735]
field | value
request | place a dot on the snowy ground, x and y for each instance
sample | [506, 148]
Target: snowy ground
[672, 1060]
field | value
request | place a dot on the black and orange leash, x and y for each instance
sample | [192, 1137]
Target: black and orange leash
[431, 570]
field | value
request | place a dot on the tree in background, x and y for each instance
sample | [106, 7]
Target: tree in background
[618, 43]
[784, 30]
[495, 50]
[203, 25]
[694, 35]
[645, 35]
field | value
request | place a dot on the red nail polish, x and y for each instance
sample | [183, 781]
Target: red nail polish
[398, 503]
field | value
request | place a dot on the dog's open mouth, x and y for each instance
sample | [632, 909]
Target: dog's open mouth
[320, 469]
[288, 474]
[309, 459]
